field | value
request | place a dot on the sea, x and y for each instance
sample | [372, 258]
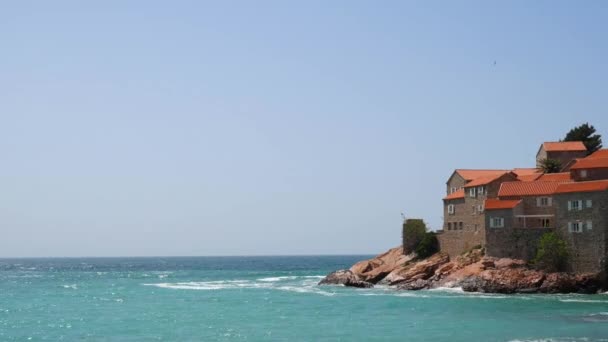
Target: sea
[265, 299]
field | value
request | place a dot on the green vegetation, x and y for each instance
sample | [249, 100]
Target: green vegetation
[585, 133]
[550, 165]
[416, 238]
[552, 253]
[414, 230]
[427, 246]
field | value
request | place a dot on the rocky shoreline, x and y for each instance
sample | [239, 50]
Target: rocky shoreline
[472, 271]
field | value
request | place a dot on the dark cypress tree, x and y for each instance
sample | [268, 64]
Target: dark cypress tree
[585, 133]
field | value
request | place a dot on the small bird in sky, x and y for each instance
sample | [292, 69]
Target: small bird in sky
[494, 63]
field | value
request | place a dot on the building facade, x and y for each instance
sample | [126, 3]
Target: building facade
[507, 211]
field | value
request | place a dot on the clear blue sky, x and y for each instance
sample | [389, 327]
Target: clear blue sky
[259, 127]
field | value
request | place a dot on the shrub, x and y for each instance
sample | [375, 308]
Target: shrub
[550, 165]
[427, 246]
[552, 253]
[414, 230]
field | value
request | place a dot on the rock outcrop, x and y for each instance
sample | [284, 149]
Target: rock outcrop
[472, 271]
[346, 278]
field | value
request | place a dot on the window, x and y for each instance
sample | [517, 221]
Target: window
[583, 173]
[449, 225]
[497, 222]
[473, 210]
[480, 190]
[472, 192]
[460, 226]
[451, 209]
[545, 223]
[575, 227]
[480, 208]
[575, 205]
[588, 203]
[588, 225]
[476, 228]
[453, 190]
[543, 201]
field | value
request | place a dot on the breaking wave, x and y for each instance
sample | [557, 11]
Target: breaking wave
[300, 284]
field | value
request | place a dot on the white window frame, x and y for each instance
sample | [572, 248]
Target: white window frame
[497, 222]
[451, 209]
[453, 190]
[544, 201]
[583, 173]
[577, 207]
[480, 208]
[575, 227]
[545, 223]
[472, 192]
[480, 190]
[589, 225]
[588, 203]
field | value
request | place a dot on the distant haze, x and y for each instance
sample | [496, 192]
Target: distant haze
[247, 128]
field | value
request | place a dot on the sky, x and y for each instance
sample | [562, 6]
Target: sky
[155, 128]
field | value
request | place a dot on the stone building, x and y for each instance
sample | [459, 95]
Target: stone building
[562, 151]
[507, 211]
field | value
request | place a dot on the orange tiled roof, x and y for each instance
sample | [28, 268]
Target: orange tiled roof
[555, 177]
[591, 186]
[484, 180]
[469, 174]
[525, 171]
[561, 146]
[590, 163]
[493, 204]
[535, 188]
[529, 178]
[455, 195]
[599, 154]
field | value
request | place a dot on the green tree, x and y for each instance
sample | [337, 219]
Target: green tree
[585, 133]
[428, 245]
[414, 231]
[552, 253]
[550, 165]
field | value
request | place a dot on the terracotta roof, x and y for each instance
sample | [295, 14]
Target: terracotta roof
[599, 154]
[582, 187]
[484, 180]
[562, 146]
[525, 171]
[535, 188]
[555, 177]
[455, 195]
[529, 178]
[469, 174]
[493, 204]
[590, 163]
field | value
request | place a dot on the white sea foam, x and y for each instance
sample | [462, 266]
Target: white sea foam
[583, 301]
[307, 284]
[72, 286]
[448, 289]
[273, 279]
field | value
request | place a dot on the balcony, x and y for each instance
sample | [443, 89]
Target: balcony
[534, 221]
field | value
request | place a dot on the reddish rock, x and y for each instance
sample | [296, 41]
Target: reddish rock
[471, 271]
[509, 263]
[423, 269]
[344, 277]
[376, 269]
[487, 264]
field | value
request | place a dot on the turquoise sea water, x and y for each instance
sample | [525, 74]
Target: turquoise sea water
[265, 298]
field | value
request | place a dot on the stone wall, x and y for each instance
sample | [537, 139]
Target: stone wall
[511, 242]
[592, 174]
[564, 157]
[587, 249]
[455, 242]
[516, 243]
